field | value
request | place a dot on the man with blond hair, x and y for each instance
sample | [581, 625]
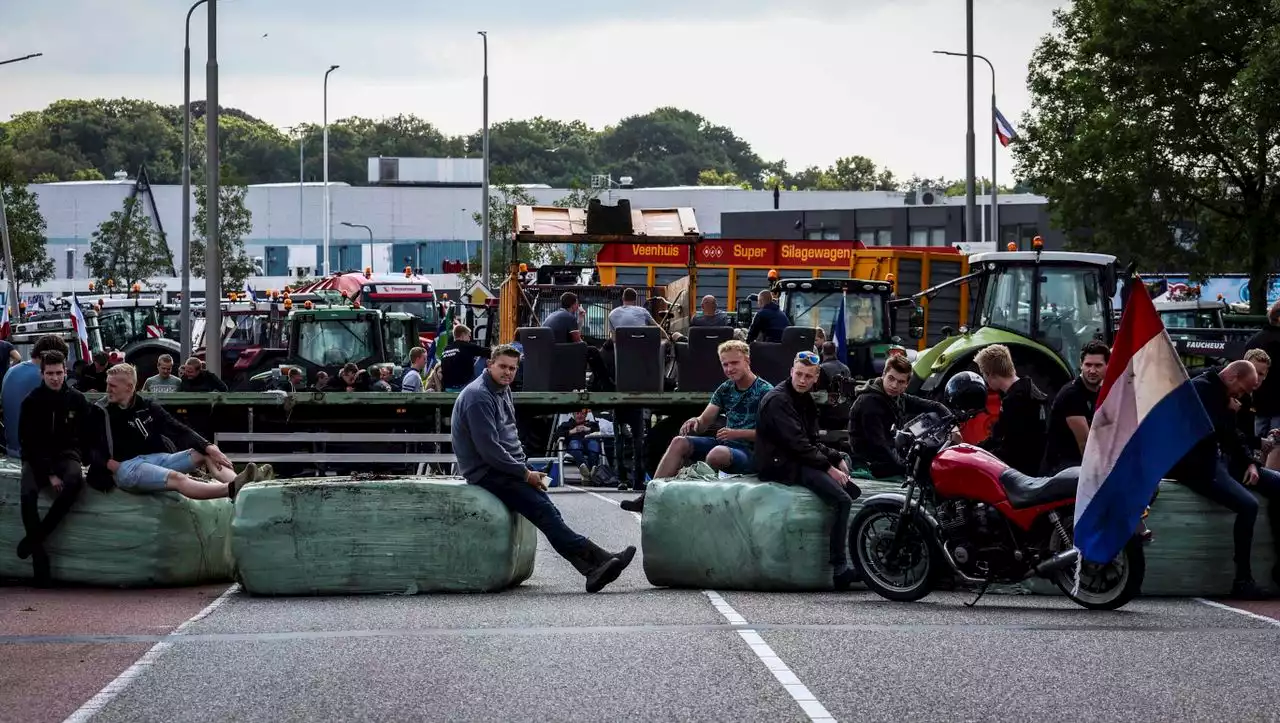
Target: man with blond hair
[730, 450]
[135, 430]
[1018, 436]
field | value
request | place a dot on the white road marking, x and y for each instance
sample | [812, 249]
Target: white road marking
[135, 671]
[798, 691]
[1238, 611]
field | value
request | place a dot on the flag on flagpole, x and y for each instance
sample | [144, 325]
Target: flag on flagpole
[1148, 417]
[4, 323]
[82, 329]
[1004, 129]
[840, 333]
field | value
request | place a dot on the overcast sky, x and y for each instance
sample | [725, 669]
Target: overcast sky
[805, 80]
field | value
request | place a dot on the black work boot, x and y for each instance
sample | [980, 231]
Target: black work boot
[844, 577]
[635, 504]
[40, 568]
[605, 566]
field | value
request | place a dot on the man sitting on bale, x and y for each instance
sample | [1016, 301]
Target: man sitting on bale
[52, 417]
[135, 432]
[487, 444]
[788, 451]
[730, 450]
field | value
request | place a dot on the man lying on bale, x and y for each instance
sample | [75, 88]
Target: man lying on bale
[487, 444]
[788, 451]
[730, 450]
[134, 450]
[50, 427]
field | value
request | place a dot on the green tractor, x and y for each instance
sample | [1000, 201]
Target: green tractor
[1043, 305]
[326, 339]
[815, 302]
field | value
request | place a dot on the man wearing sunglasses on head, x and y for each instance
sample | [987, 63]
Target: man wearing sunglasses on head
[788, 451]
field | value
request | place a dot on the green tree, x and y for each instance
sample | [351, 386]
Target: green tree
[127, 248]
[27, 227]
[670, 147]
[1153, 126]
[502, 203]
[712, 177]
[234, 223]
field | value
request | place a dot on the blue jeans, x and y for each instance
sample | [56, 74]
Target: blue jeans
[535, 506]
[583, 451]
[1226, 491]
[150, 472]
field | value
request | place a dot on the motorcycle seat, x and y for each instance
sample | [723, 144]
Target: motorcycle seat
[1026, 491]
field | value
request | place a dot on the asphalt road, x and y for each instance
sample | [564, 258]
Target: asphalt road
[547, 651]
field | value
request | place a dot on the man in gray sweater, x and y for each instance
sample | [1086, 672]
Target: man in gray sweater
[487, 444]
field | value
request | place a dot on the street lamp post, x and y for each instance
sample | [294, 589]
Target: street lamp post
[325, 260]
[484, 213]
[212, 247]
[970, 197]
[348, 224]
[10, 274]
[995, 209]
[186, 186]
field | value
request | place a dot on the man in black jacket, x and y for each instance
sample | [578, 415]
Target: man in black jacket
[788, 451]
[878, 408]
[136, 453]
[195, 378]
[1266, 399]
[50, 425]
[1018, 436]
[1222, 469]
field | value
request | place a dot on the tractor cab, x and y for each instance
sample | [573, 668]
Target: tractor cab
[326, 339]
[1043, 305]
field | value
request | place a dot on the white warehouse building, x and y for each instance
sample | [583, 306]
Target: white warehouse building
[414, 225]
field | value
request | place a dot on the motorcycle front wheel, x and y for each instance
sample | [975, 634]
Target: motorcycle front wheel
[903, 570]
[1106, 587]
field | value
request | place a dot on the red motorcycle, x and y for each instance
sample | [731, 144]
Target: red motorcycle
[966, 514]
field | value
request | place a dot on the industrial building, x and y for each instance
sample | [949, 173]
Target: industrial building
[424, 220]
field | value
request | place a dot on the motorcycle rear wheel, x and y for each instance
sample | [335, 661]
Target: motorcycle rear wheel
[1110, 586]
[871, 539]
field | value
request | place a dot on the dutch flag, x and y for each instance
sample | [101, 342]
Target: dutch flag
[1004, 129]
[1149, 416]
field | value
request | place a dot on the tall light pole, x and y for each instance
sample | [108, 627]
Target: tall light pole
[325, 260]
[11, 275]
[348, 224]
[995, 209]
[484, 214]
[212, 247]
[970, 197]
[186, 186]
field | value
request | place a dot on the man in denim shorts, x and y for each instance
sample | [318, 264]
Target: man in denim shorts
[135, 433]
[731, 448]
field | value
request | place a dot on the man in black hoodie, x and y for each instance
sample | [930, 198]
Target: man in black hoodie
[1018, 436]
[788, 451]
[50, 427]
[878, 408]
[136, 453]
[195, 378]
[1266, 399]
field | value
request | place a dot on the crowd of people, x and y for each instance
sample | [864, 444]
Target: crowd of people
[769, 430]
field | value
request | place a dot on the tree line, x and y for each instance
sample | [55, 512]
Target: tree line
[92, 139]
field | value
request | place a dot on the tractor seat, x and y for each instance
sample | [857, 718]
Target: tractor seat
[1026, 491]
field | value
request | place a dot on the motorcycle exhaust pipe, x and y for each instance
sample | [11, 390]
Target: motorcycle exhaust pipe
[1058, 562]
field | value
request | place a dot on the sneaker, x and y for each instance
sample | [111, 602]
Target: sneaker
[585, 471]
[633, 505]
[265, 472]
[247, 475]
[1247, 589]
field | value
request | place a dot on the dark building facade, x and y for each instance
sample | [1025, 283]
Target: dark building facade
[905, 225]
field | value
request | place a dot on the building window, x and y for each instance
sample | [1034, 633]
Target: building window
[876, 236]
[933, 236]
[1020, 234]
[825, 234]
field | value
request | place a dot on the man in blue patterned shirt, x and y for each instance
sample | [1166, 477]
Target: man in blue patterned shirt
[730, 450]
